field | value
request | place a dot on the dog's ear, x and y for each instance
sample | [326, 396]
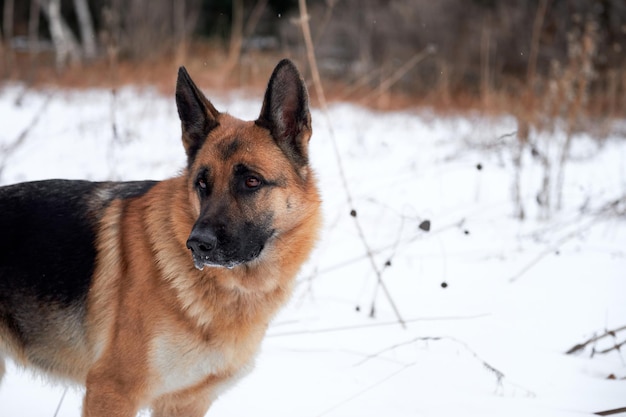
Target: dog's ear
[197, 115]
[285, 112]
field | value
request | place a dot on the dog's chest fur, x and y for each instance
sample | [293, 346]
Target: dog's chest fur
[183, 360]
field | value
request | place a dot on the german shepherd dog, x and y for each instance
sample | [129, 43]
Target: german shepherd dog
[158, 294]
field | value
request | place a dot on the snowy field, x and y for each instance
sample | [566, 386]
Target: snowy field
[490, 304]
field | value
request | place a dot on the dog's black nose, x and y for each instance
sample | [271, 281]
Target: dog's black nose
[201, 242]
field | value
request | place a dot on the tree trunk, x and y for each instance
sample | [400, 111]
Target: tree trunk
[236, 39]
[180, 34]
[65, 44]
[534, 43]
[7, 23]
[255, 17]
[33, 38]
[87, 33]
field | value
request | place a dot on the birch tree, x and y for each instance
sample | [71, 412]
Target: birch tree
[7, 26]
[85, 24]
[65, 44]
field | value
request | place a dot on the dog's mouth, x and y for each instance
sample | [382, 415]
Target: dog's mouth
[213, 246]
[200, 262]
[218, 259]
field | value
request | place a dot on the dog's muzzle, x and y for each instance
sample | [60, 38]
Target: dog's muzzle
[202, 245]
[207, 249]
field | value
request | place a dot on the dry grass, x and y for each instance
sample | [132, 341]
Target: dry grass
[207, 62]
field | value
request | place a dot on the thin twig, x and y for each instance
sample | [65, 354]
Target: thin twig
[506, 136]
[598, 215]
[306, 32]
[400, 72]
[551, 249]
[8, 150]
[365, 390]
[583, 345]
[358, 84]
[621, 410]
[500, 377]
[499, 374]
[375, 324]
[404, 242]
[56, 413]
[616, 346]
[387, 264]
[534, 43]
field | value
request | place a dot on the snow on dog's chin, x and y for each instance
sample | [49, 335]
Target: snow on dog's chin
[200, 262]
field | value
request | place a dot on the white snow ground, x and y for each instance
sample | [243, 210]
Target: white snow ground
[492, 343]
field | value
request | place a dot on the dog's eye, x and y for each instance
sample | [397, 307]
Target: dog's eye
[201, 183]
[252, 182]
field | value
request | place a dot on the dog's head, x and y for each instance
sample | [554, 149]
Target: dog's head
[249, 182]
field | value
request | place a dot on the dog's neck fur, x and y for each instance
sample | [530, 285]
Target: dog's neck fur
[247, 287]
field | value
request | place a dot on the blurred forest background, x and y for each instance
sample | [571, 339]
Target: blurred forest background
[530, 58]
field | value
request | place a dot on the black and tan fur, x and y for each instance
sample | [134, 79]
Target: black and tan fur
[158, 294]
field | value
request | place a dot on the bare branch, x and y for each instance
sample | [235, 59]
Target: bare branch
[7, 23]
[400, 72]
[255, 17]
[583, 345]
[613, 206]
[616, 347]
[8, 150]
[500, 377]
[366, 389]
[56, 413]
[236, 39]
[371, 325]
[620, 410]
[534, 43]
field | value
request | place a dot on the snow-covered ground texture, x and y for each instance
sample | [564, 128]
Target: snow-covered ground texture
[490, 304]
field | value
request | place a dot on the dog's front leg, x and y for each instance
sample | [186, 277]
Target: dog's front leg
[101, 403]
[110, 395]
[106, 403]
[192, 402]
[174, 406]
